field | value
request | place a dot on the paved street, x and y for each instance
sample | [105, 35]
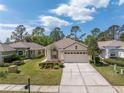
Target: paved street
[34, 88]
[83, 78]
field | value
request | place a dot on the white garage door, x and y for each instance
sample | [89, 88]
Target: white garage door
[75, 56]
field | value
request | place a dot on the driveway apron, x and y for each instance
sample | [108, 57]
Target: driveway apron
[83, 78]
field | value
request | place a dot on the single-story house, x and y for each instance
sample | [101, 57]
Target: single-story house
[67, 50]
[28, 49]
[6, 50]
[112, 48]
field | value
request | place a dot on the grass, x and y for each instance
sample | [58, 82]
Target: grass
[31, 69]
[109, 74]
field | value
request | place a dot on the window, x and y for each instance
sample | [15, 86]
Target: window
[71, 52]
[39, 52]
[80, 52]
[112, 54]
[83, 52]
[65, 53]
[77, 52]
[75, 47]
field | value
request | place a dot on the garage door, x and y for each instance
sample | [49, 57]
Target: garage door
[75, 56]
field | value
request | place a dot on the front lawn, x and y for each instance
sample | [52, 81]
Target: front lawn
[31, 69]
[109, 74]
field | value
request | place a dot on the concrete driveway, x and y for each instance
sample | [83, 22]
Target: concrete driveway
[83, 78]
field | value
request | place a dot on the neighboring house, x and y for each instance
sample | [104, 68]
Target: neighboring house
[67, 50]
[6, 50]
[112, 48]
[28, 49]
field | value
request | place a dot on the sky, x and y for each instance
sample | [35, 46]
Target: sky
[88, 14]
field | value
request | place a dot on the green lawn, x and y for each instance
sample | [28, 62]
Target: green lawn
[38, 76]
[113, 77]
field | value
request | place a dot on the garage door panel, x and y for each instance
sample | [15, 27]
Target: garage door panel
[75, 57]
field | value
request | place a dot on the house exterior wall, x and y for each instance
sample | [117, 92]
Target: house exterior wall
[103, 53]
[61, 55]
[1, 59]
[74, 46]
[109, 51]
[48, 54]
[121, 53]
[30, 53]
[8, 53]
[37, 53]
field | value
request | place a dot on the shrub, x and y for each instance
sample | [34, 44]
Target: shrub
[10, 59]
[91, 61]
[18, 63]
[61, 65]
[3, 74]
[50, 65]
[97, 59]
[114, 61]
[56, 66]
[18, 71]
[15, 57]
[2, 64]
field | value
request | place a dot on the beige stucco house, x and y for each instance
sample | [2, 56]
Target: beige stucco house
[28, 49]
[67, 50]
[6, 50]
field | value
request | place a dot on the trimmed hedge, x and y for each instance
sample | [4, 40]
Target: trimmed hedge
[10, 59]
[18, 63]
[114, 61]
[51, 65]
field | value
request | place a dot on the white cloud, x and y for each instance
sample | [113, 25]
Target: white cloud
[121, 2]
[80, 10]
[76, 13]
[85, 3]
[2, 7]
[50, 21]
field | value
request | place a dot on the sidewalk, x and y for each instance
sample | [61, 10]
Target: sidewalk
[34, 88]
[120, 89]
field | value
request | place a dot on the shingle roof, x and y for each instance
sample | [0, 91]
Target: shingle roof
[30, 45]
[5, 48]
[61, 44]
[111, 43]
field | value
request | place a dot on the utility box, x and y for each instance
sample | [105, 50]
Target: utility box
[13, 69]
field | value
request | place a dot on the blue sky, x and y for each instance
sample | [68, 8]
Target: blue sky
[88, 14]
